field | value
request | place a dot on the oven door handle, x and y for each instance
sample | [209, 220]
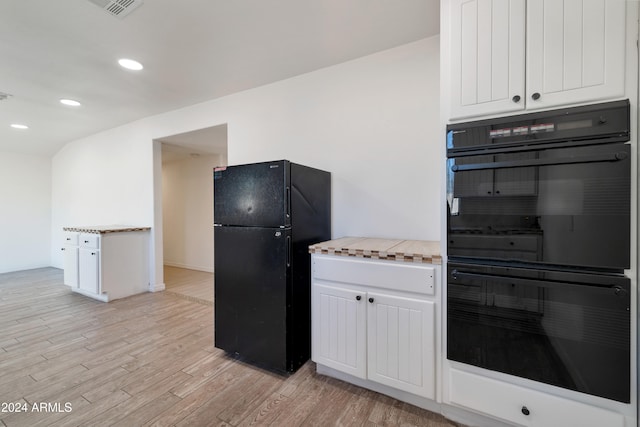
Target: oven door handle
[456, 274]
[611, 157]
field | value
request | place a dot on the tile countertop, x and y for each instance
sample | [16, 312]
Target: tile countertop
[103, 229]
[389, 249]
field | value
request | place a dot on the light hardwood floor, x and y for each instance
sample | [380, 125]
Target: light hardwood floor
[190, 284]
[150, 360]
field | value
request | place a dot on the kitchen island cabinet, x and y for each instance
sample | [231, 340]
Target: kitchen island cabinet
[107, 262]
[71, 258]
[374, 314]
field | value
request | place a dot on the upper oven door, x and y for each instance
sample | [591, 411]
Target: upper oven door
[563, 206]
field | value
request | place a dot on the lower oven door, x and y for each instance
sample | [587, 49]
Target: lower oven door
[566, 329]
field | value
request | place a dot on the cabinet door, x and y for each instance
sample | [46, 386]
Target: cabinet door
[339, 328]
[89, 270]
[401, 343]
[487, 56]
[575, 51]
[71, 266]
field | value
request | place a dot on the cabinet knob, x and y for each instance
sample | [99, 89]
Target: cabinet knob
[358, 298]
[371, 300]
[535, 96]
[525, 410]
[62, 249]
[86, 241]
[93, 253]
[516, 99]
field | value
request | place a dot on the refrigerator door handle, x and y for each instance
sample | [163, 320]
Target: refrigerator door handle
[288, 251]
[288, 202]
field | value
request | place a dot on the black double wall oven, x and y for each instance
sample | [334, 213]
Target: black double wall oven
[538, 238]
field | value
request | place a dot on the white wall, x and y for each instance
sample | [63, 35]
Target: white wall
[104, 179]
[25, 212]
[372, 122]
[187, 210]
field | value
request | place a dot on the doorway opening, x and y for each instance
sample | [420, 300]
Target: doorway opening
[184, 202]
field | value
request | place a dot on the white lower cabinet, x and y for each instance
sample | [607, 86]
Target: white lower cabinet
[367, 325]
[71, 259]
[89, 263]
[400, 343]
[89, 270]
[523, 406]
[339, 323]
[107, 266]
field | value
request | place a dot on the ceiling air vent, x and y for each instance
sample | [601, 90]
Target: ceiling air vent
[4, 96]
[119, 8]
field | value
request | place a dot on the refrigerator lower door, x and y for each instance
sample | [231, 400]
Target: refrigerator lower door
[252, 279]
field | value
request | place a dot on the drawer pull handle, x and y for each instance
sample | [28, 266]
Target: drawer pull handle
[525, 410]
[371, 300]
[358, 298]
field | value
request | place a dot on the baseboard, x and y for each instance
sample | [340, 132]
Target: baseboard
[156, 287]
[188, 266]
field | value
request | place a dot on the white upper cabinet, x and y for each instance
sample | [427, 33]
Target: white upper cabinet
[487, 56]
[575, 51]
[512, 55]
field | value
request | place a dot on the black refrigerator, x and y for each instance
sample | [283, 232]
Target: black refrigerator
[265, 217]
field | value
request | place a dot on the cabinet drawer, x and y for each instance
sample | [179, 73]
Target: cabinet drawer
[512, 403]
[70, 238]
[90, 240]
[392, 275]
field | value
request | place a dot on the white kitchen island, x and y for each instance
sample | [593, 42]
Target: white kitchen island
[106, 262]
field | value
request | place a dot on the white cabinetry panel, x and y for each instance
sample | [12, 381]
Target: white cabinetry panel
[487, 54]
[339, 329]
[523, 406]
[89, 270]
[71, 259]
[511, 55]
[575, 51]
[108, 265]
[401, 342]
[373, 320]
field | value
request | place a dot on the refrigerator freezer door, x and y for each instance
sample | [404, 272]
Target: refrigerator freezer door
[252, 279]
[253, 195]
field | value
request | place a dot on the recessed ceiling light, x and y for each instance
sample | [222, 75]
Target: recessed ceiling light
[19, 126]
[130, 64]
[70, 102]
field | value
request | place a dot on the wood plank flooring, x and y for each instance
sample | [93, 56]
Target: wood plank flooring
[149, 360]
[193, 285]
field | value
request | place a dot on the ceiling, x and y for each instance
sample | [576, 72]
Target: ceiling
[211, 140]
[192, 51]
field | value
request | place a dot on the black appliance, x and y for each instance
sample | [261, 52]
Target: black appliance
[265, 217]
[538, 237]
